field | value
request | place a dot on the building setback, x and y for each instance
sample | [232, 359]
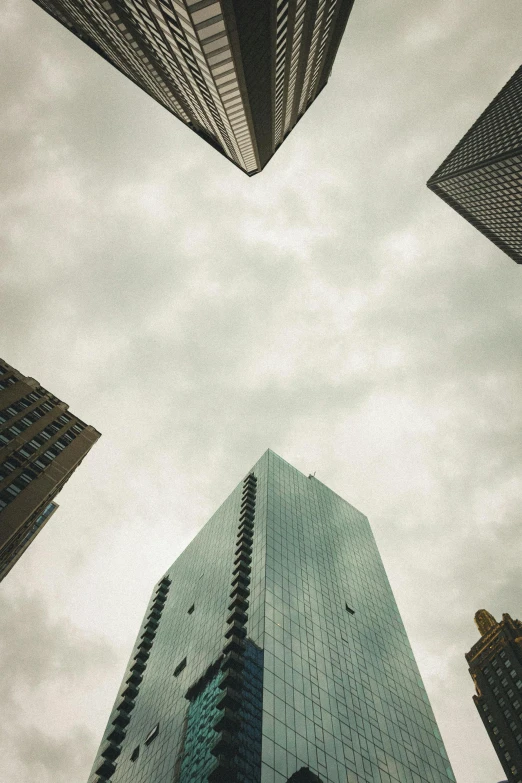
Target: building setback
[482, 178]
[41, 444]
[273, 651]
[495, 664]
[238, 73]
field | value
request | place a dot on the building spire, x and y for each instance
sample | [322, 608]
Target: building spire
[484, 621]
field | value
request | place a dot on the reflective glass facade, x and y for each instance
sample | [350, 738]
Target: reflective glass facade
[495, 664]
[239, 74]
[272, 651]
[41, 444]
[482, 177]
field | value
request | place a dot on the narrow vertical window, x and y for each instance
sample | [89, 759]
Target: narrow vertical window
[152, 734]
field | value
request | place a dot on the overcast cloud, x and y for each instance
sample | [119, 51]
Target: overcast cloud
[330, 308]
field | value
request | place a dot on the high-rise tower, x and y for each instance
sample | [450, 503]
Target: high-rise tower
[273, 651]
[482, 177]
[495, 664]
[239, 73]
[41, 445]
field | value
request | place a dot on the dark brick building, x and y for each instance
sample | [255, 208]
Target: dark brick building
[495, 664]
[41, 444]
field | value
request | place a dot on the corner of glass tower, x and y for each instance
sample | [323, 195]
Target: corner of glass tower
[273, 652]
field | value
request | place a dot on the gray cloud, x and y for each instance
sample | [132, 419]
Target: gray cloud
[331, 308]
[46, 657]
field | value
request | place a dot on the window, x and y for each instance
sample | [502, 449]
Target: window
[191, 609]
[13, 489]
[152, 734]
[179, 668]
[351, 611]
[135, 754]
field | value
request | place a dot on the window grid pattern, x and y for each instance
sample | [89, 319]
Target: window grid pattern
[94, 24]
[294, 62]
[203, 712]
[153, 32]
[12, 430]
[201, 576]
[281, 46]
[34, 431]
[171, 34]
[482, 178]
[223, 708]
[491, 199]
[222, 78]
[240, 90]
[498, 131]
[171, 41]
[251, 717]
[319, 60]
[158, 44]
[342, 694]
[319, 18]
[33, 469]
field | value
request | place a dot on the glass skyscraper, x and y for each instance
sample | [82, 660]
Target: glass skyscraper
[273, 651]
[239, 73]
[482, 177]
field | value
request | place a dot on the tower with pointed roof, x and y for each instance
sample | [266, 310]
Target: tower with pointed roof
[495, 665]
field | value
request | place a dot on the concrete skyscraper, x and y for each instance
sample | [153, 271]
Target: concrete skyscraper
[495, 664]
[41, 445]
[239, 73]
[273, 651]
[482, 177]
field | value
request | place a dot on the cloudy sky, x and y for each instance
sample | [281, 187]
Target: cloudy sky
[330, 308]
